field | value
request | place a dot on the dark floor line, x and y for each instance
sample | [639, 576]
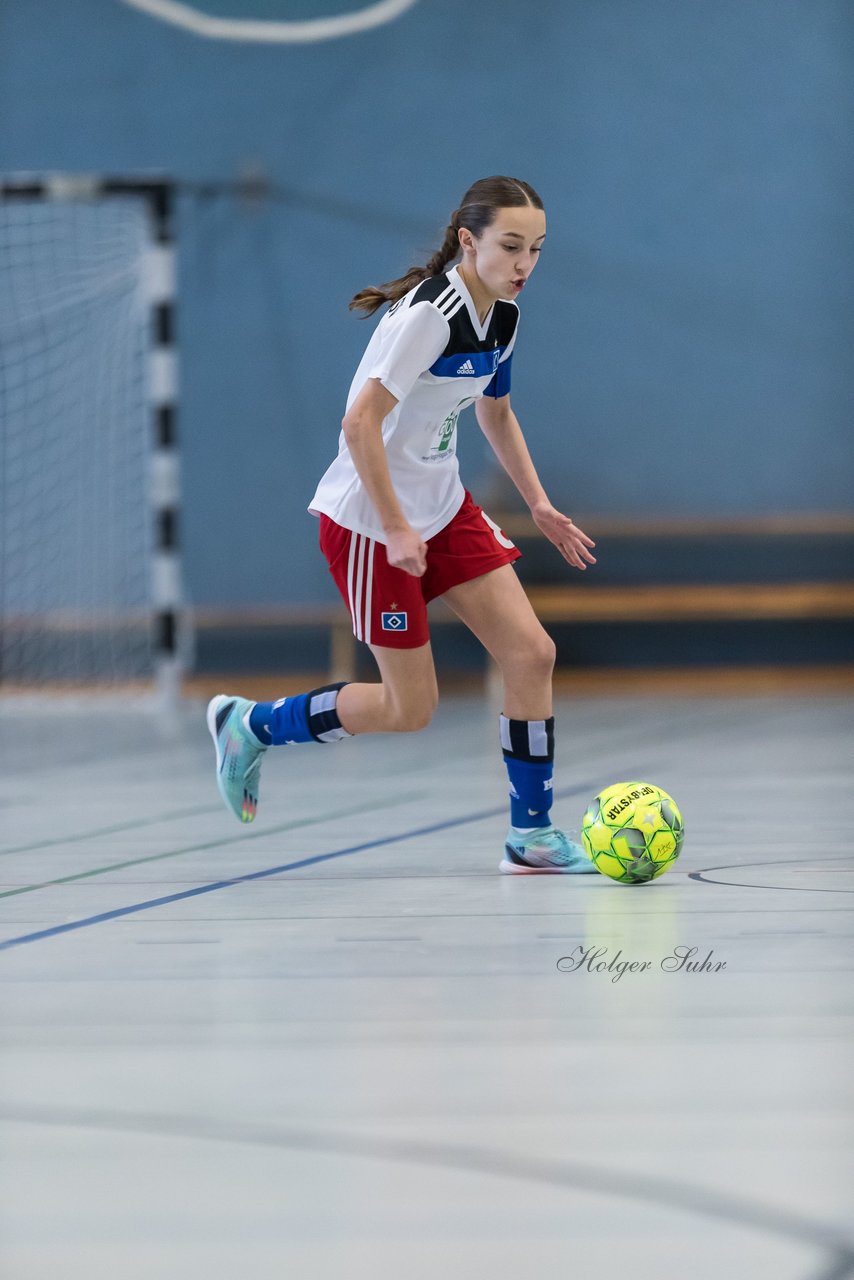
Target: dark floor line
[665, 1193]
[220, 842]
[195, 812]
[841, 1268]
[705, 878]
[116, 914]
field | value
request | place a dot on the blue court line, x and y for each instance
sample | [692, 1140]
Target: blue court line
[71, 925]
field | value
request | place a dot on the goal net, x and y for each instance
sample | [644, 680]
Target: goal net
[82, 600]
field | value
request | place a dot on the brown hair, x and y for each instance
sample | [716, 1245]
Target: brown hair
[477, 211]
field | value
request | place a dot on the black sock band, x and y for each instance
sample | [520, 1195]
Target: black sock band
[531, 740]
[321, 715]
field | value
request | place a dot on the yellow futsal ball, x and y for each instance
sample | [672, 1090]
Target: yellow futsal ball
[633, 832]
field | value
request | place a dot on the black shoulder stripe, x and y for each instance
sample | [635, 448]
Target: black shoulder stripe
[449, 305]
[432, 289]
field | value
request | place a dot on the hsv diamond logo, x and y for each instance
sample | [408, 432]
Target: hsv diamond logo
[395, 621]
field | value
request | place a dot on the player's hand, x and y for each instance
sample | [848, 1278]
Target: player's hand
[570, 541]
[406, 550]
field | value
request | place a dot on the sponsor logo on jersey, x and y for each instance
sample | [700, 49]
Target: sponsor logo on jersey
[395, 621]
[443, 445]
[469, 364]
[447, 432]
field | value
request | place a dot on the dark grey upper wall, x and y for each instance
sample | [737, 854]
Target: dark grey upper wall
[686, 342]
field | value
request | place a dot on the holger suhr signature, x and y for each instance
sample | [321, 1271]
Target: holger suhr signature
[680, 960]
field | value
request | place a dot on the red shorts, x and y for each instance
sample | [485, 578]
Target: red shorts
[389, 606]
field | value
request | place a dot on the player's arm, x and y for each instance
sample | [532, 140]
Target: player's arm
[363, 431]
[500, 425]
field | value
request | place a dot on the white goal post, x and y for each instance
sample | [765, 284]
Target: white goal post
[90, 572]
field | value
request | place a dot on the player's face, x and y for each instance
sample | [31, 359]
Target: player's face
[507, 251]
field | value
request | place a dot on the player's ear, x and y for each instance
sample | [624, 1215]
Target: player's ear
[466, 238]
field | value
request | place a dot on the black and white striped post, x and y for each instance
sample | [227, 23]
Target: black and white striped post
[160, 279]
[165, 471]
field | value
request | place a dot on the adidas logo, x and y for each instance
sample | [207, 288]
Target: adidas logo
[468, 367]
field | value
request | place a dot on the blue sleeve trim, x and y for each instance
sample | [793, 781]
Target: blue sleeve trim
[467, 364]
[499, 384]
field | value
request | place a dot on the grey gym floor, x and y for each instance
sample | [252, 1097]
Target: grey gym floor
[340, 1043]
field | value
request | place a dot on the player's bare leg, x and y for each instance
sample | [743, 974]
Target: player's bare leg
[405, 700]
[495, 608]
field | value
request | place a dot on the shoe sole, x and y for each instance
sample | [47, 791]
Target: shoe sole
[510, 867]
[513, 869]
[213, 707]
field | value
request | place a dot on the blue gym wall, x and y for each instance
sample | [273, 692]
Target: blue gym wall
[686, 343]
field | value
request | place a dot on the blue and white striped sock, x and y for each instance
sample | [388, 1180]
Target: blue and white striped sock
[306, 717]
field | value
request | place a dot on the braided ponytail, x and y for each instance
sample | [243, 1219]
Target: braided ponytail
[371, 299]
[447, 251]
[476, 212]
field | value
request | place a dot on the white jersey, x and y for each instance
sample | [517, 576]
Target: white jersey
[435, 357]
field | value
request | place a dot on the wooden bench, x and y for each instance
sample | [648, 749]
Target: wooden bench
[577, 603]
[677, 603]
[582, 601]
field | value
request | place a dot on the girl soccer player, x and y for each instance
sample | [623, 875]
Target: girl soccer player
[399, 529]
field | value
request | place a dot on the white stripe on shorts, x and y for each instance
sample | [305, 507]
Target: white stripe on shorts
[369, 587]
[350, 561]
[360, 577]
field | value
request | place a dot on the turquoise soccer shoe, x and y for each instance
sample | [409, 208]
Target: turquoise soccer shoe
[547, 850]
[238, 755]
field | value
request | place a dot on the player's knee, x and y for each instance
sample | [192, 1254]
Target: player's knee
[415, 719]
[419, 713]
[414, 712]
[535, 658]
[546, 651]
